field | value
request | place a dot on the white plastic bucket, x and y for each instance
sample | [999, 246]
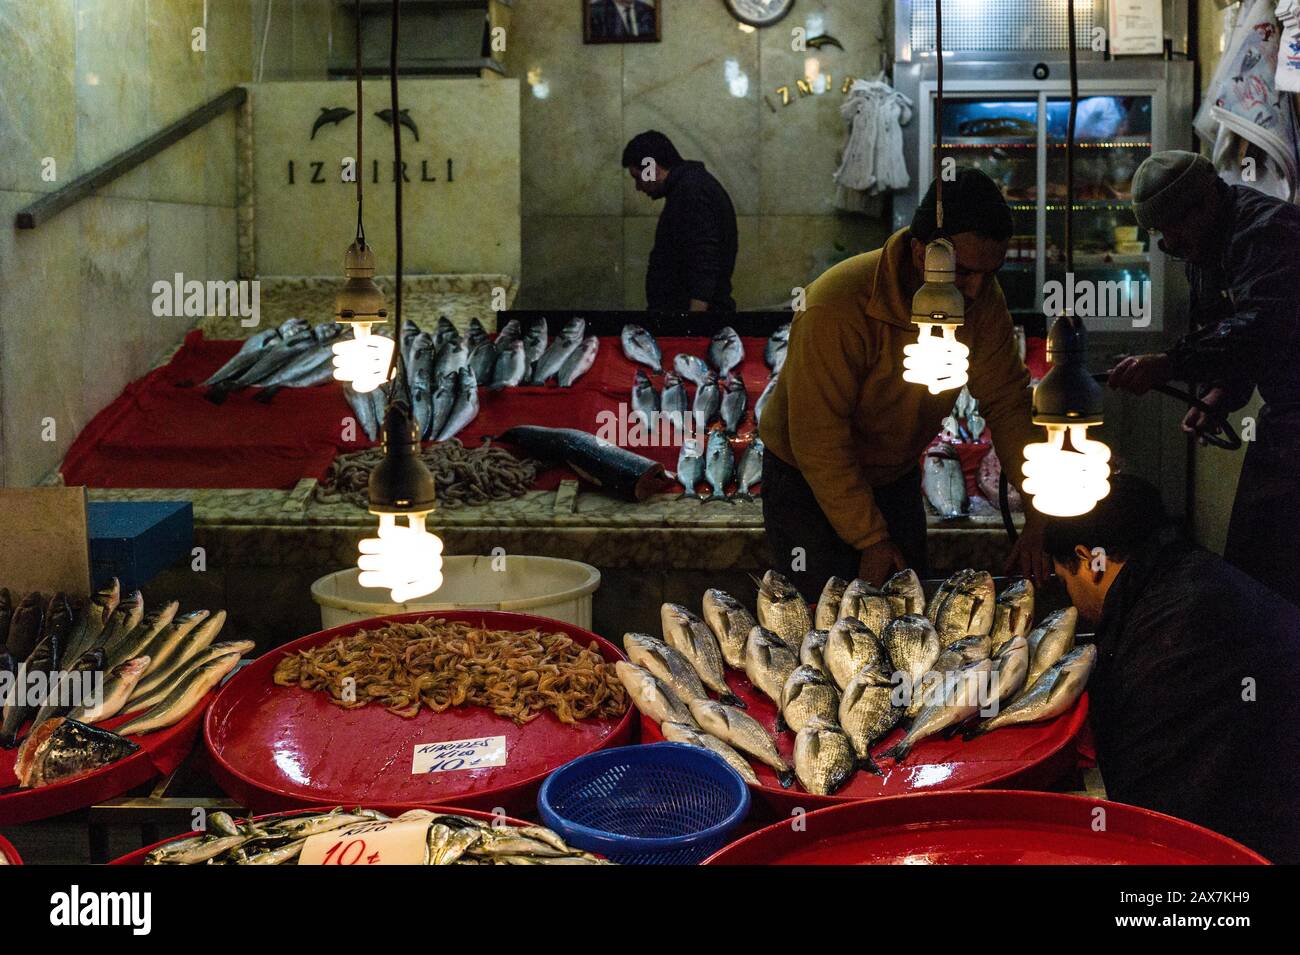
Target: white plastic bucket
[544, 586]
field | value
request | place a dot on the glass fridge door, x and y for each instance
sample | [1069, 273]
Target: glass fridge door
[1000, 135]
[1112, 285]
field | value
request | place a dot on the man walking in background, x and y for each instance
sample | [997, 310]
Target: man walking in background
[695, 246]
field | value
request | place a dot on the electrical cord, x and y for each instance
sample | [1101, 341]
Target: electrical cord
[1229, 441]
[402, 383]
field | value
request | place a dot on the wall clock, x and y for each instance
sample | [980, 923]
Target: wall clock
[759, 13]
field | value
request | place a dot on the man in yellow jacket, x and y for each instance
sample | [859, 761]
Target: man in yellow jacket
[844, 433]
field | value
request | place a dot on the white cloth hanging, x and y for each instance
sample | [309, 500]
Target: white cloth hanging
[873, 160]
[1245, 115]
[1288, 60]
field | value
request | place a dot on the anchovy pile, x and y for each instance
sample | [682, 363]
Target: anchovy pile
[158, 666]
[844, 676]
[719, 457]
[463, 476]
[294, 355]
[450, 840]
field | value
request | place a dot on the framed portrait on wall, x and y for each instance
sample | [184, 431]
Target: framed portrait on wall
[621, 21]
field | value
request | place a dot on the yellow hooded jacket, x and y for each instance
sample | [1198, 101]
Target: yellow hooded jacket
[842, 414]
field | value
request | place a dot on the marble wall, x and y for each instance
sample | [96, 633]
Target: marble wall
[81, 81]
[468, 223]
[712, 87]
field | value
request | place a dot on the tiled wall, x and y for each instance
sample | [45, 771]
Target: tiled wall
[588, 233]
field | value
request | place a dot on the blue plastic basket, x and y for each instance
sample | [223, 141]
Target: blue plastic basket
[659, 804]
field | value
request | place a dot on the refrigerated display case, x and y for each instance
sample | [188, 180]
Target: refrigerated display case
[1006, 108]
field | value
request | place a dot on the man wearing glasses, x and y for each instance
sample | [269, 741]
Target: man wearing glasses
[844, 433]
[1242, 250]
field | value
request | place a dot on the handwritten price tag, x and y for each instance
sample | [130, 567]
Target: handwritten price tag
[396, 842]
[458, 754]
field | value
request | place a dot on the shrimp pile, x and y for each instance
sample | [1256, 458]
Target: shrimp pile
[441, 664]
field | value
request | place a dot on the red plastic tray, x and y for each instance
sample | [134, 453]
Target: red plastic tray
[985, 827]
[159, 754]
[1026, 756]
[8, 851]
[277, 748]
[138, 856]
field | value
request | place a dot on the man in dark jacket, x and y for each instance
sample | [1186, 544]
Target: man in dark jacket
[1242, 250]
[695, 243]
[621, 20]
[1195, 698]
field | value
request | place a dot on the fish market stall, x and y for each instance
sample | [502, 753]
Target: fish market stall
[275, 473]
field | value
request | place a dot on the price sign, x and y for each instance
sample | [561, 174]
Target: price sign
[458, 754]
[395, 842]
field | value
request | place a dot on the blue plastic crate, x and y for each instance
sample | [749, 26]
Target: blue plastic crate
[135, 540]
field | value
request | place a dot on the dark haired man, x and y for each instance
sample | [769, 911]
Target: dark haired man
[1242, 250]
[1195, 697]
[696, 240]
[844, 432]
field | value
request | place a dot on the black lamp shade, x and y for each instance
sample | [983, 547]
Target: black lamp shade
[401, 484]
[1068, 394]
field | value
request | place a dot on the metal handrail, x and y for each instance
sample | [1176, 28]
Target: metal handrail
[48, 206]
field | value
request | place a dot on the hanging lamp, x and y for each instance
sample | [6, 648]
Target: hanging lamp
[404, 557]
[937, 359]
[364, 359]
[1069, 473]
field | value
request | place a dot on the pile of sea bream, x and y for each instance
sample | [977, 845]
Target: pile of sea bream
[844, 677]
[707, 455]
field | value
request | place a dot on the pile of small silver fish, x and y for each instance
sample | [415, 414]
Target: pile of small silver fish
[446, 371]
[450, 840]
[293, 355]
[716, 456]
[845, 675]
[157, 665]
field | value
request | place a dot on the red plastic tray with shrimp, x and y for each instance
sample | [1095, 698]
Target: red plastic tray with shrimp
[985, 827]
[1027, 756]
[159, 754]
[138, 856]
[275, 747]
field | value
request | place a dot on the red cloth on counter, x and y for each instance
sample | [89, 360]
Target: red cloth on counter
[158, 434]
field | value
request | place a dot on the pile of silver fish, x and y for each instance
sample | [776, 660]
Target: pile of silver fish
[157, 665]
[450, 840]
[713, 456]
[843, 676]
[529, 357]
[718, 466]
[293, 355]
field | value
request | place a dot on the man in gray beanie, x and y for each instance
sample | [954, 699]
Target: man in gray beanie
[1242, 250]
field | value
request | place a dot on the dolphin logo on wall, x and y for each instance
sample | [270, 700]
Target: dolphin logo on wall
[330, 114]
[403, 117]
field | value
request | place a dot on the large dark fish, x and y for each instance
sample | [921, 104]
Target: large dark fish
[63, 749]
[619, 472]
[25, 628]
